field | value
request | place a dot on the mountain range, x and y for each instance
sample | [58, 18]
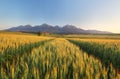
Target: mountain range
[67, 29]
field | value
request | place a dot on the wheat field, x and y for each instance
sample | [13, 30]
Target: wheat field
[42, 57]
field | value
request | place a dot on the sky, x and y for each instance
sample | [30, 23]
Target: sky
[101, 15]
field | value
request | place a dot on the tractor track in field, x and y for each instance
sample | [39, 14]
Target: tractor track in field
[54, 59]
[106, 64]
[12, 54]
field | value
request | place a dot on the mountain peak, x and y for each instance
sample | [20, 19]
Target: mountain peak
[69, 27]
[45, 24]
[28, 26]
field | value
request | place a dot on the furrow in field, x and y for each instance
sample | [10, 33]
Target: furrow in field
[107, 51]
[59, 59]
[12, 56]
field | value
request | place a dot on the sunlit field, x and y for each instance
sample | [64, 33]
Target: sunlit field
[28, 56]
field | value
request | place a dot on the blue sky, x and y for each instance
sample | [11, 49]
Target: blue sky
[87, 14]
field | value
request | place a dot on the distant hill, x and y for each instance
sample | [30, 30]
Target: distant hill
[67, 29]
